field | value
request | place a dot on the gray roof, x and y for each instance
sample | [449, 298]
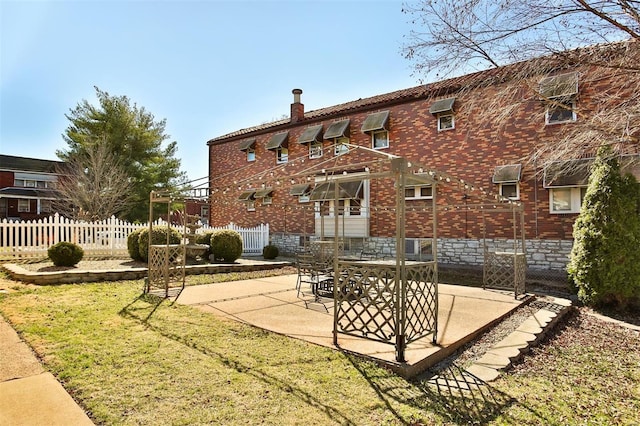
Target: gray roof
[24, 164]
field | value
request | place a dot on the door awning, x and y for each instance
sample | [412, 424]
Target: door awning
[376, 121]
[442, 105]
[337, 129]
[346, 190]
[247, 144]
[301, 189]
[277, 140]
[507, 173]
[311, 134]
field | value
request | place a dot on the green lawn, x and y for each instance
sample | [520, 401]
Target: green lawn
[134, 360]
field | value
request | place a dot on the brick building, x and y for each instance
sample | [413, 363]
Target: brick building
[274, 173]
[27, 187]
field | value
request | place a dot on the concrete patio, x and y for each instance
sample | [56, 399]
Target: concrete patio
[272, 304]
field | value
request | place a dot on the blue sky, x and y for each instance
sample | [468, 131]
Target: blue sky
[207, 67]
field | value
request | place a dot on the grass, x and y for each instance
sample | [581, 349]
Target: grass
[130, 359]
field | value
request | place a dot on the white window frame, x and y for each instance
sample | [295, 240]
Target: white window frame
[18, 183]
[573, 118]
[267, 200]
[340, 146]
[24, 205]
[344, 204]
[441, 128]
[417, 192]
[251, 154]
[385, 138]
[315, 150]
[503, 184]
[576, 195]
[251, 205]
[45, 206]
[30, 183]
[282, 155]
[305, 198]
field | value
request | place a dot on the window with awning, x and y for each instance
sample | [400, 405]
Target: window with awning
[559, 86]
[337, 129]
[567, 173]
[300, 189]
[278, 140]
[261, 193]
[376, 121]
[509, 173]
[247, 144]
[311, 134]
[346, 190]
[442, 105]
[247, 195]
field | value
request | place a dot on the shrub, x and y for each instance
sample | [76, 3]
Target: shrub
[226, 245]
[132, 244]
[65, 254]
[270, 251]
[159, 237]
[605, 261]
[205, 238]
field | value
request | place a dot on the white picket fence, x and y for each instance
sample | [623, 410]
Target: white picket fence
[31, 239]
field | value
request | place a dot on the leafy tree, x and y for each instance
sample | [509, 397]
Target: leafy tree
[134, 137]
[605, 260]
[94, 185]
[452, 36]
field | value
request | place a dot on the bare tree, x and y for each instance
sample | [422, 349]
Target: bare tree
[93, 185]
[521, 42]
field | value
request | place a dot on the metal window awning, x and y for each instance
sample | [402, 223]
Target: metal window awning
[567, 173]
[376, 121]
[247, 195]
[442, 105]
[507, 174]
[337, 129]
[419, 179]
[261, 193]
[311, 134]
[277, 140]
[346, 190]
[559, 86]
[301, 189]
[247, 144]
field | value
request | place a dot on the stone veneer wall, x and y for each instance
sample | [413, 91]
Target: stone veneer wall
[541, 254]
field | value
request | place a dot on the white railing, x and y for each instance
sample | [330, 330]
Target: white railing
[31, 239]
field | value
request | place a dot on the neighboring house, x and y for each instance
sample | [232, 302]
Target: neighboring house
[27, 187]
[435, 124]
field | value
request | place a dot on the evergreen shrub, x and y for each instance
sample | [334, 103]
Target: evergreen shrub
[65, 254]
[270, 252]
[226, 245]
[604, 265]
[132, 244]
[205, 238]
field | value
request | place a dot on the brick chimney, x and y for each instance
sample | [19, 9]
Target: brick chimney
[297, 108]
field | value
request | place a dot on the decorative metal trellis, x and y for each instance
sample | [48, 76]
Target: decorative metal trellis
[374, 301]
[166, 276]
[505, 265]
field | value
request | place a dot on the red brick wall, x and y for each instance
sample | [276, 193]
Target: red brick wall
[470, 152]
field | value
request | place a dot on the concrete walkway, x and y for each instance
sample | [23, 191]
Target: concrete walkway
[28, 394]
